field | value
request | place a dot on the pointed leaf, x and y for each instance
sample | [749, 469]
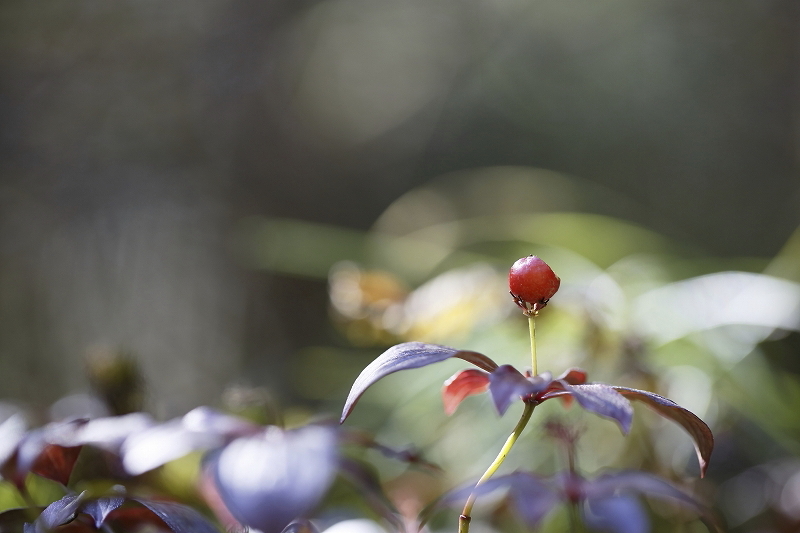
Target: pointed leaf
[268, 480]
[599, 399]
[642, 482]
[28, 450]
[56, 463]
[573, 376]
[483, 362]
[462, 384]
[699, 431]
[134, 518]
[107, 433]
[12, 431]
[158, 445]
[100, 508]
[180, 518]
[534, 498]
[59, 512]
[457, 496]
[207, 420]
[616, 514]
[406, 356]
[507, 384]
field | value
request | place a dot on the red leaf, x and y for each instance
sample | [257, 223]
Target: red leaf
[462, 384]
[573, 376]
[134, 519]
[56, 462]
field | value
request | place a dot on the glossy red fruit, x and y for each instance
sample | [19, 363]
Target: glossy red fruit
[532, 283]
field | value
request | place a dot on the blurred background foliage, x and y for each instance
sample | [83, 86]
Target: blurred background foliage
[253, 199]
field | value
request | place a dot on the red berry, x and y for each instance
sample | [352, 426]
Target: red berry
[532, 283]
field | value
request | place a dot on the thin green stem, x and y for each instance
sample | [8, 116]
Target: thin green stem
[466, 513]
[464, 519]
[575, 521]
[26, 495]
[532, 329]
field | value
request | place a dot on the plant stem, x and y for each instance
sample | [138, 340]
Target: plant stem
[26, 495]
[532, 329]
[575, 522]
[464, 519]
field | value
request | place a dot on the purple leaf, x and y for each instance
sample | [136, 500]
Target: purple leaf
[202, 428]
[207, 420]
[12, 431]
[406, 356]
[180, 518]
[158, 445]
[506, 385]
[268, 480]
[699, 431]
[107, 433]
[600, 399]
[642, 482]
[616, 514]
[458, 495]
[28, 450]
[100, 508]
[57, 513]
[534, 498]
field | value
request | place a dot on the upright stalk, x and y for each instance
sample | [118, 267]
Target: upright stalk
[575, 522]
[466, 513]
[532, 329]
[464, 519]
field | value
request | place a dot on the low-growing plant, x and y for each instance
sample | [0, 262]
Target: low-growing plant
[603, 502]
[246, 476]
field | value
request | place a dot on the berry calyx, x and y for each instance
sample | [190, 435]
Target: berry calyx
[532, 283]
